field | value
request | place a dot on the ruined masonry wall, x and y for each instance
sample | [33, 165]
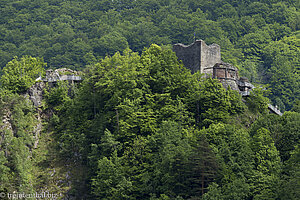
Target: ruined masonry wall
[190, 55]
[198, 56]
[207, 59]
[210, 55]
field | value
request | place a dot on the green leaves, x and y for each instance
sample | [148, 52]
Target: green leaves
[149, 128]
[18, 134]
[257, 102]
[211, 102]
[284, 131]
[267, 164]
[140, 123]
[138, 92]
[109, 44]
[282, 60]
[110, 181]
[20, 74]
[267, 156]
[291, 174]
[58, 95]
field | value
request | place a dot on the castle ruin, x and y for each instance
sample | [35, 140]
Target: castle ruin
[207, 59]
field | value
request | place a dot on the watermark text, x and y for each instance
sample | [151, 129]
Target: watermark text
[37, 195]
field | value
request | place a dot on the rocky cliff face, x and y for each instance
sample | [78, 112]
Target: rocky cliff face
[33, 97]
[23, 135]
[6, 128]
[35, 94]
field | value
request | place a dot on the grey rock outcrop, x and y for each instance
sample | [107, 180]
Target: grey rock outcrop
[62, 74]
[35, 93]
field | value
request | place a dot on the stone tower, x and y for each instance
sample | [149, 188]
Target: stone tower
[207, 59]
[198, 56]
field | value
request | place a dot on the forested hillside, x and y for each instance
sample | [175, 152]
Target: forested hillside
[260, 37]
[140, 125]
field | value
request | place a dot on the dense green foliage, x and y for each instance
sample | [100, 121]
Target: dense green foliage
[140, 125]
[260, 37]
[20, 74]
[17, 171]
[143, 127]
[148, 129]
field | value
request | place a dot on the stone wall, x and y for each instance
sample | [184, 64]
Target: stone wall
[198, 56]
[220, 73]
[225, 71]
[210, 55]
[189, 55]
[229, 83]
[207, 59]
